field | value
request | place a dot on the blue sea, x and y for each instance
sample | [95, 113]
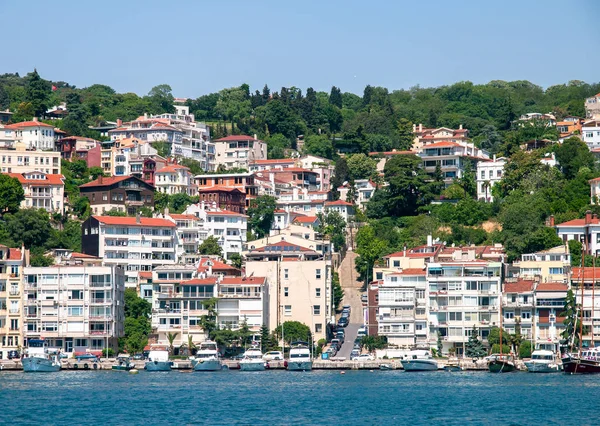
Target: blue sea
[282, 398]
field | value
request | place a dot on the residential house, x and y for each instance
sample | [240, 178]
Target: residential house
[242, 181]
[570, 126]
[489, 173]
[77, 309]
[298, 285]
[239, 151]
[12, 327]
[122, 193]
[344, 208]
[175, 179]
[585, 297]
[585, 230]
[297, 176]
[312, 222]
[265, 165]
[592, 107]
[518, 307]
[452, 158]
[414, 258]
[74, 148]
[323, 167]
[591, 133]
[42, 191]
[224, 198]
[552, 265]
[34, 134]
[133, 243]
[549, 307]
[426, 136]
[242, 300]
[363, 191]
[18, 159]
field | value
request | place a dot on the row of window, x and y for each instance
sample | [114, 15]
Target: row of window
[286, 292]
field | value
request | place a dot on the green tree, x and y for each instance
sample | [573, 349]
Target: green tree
[210, 246]
[525, 349]
[29, 226]
[37, 93]
[572, 323]
[474, 347]
[468, 180]
[261, 215]
[115, 212]
[440, 344]
[266, 341]
[161, 99]
[334, 226]
[361, 166]
[369, 250]
[171, 338]
[335, 97]
[236, 260]
[572, 155]
[245, 333]
[276, 146]
[137, 322]
[337, 294]
[374, 342]
[319, 145]
[11, 194]
[341, 174]
[405, 135]
[294, 331]
[209, 321]
[233, 105]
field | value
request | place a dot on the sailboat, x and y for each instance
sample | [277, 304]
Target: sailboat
[500, 363]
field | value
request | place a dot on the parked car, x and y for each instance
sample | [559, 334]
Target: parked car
[346, 307]
[343, 322]
[273, 356]
[337, 343]
[345, 315]
[14, 355]
[332, 351]
[87, 357]
[354, 354]
[364, 298]
[364, 357]
[340, 336]
[362, 332]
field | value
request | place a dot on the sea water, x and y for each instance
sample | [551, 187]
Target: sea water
[282, 397]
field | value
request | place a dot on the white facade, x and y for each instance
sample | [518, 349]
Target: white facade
[591, 134]
[592, 107]
[42, 191]
[75, 308]
[239, 151]
[364, 190]
[20, 160]
[345, 209]
[488, 174]
[175, 179]
[452, 158]
[34, 134]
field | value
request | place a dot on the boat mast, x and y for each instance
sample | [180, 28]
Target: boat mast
[593, 287]
[582, 283]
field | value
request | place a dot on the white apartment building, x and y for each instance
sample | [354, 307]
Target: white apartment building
[132, 243]
[298, 285]
[489, 173]
[591, 133]
[21, 160]
[452, 158]
[364, 190]
[343, 208]
[239, 151]
[586, 229]
[190, 234]
[242, 299]
[175, 179]
[12, 261]
[75, 308]
[42, 191]
[403, 308]
[34, 134]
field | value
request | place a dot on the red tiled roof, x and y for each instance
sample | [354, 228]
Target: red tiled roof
[171, 168]
[393, 153]
[218, 188]
[552, 287]
[275, 161]
[281, 245]
[132, 221]
[77, 255]
[50, 179]
[209, 280]
[588, 274]
[442, 144]
[106, 181]
[235, 138]
[292, 169]
[183, 216]
[338, 203]
[414, 253]
[27, 124]
[225, 213]
[279, 211]
[579, 222]
[524, 286]
[145, 274]
[306, 219]
[14, 254]
[242, 280]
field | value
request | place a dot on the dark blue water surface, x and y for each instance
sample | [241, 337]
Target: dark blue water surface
[282, 397]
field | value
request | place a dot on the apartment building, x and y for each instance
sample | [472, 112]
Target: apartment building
[75, 308]
[224, 198]
[426, 136]
[518, 301]
[276, 163]
[464, 290]
[586, 297]
[552, 265]
[242, 299]
[34, 134]
[591, 133]
[592, 107]
[242, 181]
[145, 167]
[116, 155]
[452, 157]
[586, 229]
[74, 148]
[133, 243]
[299, 285]
[363, 191]
[416, 257]
[21, 160]
[549, 306]
[323, 167]
[42, 191]
[12, 261]
[343, 208]
[190, 234]
[489, 173]
[175, 179]
[122, 193]
[239, 151]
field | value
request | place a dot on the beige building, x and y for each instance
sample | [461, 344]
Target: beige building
[239, 151]
[298, 285]
[550, 265]
[42, 191]
[21, 160]
[12, 261]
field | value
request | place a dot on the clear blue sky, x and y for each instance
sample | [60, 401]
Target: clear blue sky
[202, 46]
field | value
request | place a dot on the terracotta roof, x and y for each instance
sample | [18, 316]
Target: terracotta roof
[276, 161]
[306, 219]
[209, 280]
[225, 213]
[183, 216]
[410, 271]
[523, 286]
[145, 274]
[281, 246]
[171, 168]
[338, 203]
[442, 144]
[242, 280]
[14, 254]
[552, 287]
[279, 211]
[132, 221]
[77, 255]
[589, 274]
[291, 169]
[235, 138]
[106, 181]
[27, 124]
[50, 179]
[216, 265]
[579, 222]
[416, 252]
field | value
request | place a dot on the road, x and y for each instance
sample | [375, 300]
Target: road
[352, 293]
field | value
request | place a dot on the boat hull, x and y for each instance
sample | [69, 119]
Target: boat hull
[252, 366]
[207, 365]
[574, 365]
[158, 366]
[299, 365]
[39, 365]
[497, 366]
[542, 367]
[419, 365]
[452, 368]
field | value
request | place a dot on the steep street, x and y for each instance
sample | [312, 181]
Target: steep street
[352, 293]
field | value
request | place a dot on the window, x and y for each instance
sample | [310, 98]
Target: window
[318, 292]
[287, 310]
[318, 328]
[104, 196]
[509, 315]
[318, 274]
[317, 310]
[285, 274]
[74, 311]
[526, 315]
[396, 263]
[286, 291]
[76, 295]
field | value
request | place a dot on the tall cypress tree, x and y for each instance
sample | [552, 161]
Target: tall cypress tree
[37, 92]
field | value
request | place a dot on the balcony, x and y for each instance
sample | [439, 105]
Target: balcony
[239, 296]
[134, 202]
[101, 317]
[101, 301]
[13, 292]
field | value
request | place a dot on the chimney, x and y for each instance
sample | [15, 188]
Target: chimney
[429, 241]
[100, 177]
[145, 116]
[460, 127]
[551, 221]
[119, 122]
[138, 218]
[588, 217]
[35, 119]
[166, 211]
[420, 127]
[414, 128]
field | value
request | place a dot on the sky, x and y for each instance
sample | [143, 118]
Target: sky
[203, 46]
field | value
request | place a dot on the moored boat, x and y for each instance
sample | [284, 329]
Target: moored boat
[207, 357]
[300, 359]
[252, 361]
[419, 360]
[39, 358]
[501, 363]
[158, 359]
[586, 361]
[543, 361]
[123, 363]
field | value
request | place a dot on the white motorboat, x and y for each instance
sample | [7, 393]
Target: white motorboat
[158, 359]
[419, 360]
[543, 361]
[252, 361]
[300, 358]
[39, 358]
[207, 357]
